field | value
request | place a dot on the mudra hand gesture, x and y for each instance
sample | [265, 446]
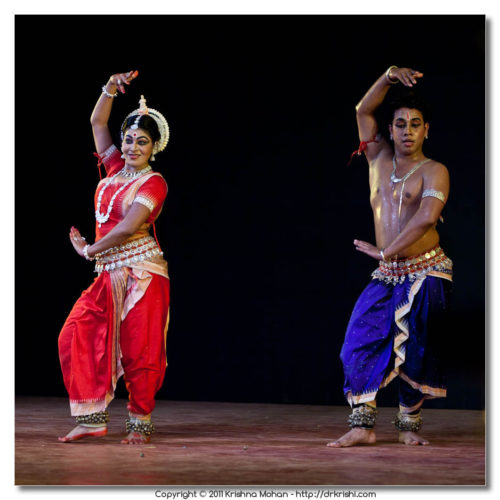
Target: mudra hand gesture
[77, 240]
[119, 80]
[368, 248]
[406, 76]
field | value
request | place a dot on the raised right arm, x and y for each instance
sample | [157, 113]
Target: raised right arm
[102, 109]
[368, 127]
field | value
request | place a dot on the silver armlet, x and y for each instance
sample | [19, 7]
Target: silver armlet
[145, 201]
[434, 193]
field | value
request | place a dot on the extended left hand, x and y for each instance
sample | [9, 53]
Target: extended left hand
[368, 248]
[77, 240]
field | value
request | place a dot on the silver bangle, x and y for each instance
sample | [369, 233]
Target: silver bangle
[388, 78]
[85, 252]
[105, 91]
[382, 254]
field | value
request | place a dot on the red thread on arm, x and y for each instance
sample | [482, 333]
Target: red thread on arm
[99, 163]
[362, 147]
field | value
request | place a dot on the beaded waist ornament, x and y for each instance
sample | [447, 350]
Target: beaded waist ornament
[394, 271]
[127, 254]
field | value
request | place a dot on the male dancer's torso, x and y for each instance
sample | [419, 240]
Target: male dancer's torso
[389, 220]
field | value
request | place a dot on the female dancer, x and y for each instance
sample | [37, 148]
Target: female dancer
[118, 326]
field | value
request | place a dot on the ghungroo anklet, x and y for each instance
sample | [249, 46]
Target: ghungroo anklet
[406, 422]
[142, 426]
[363, 416]
[99, 418]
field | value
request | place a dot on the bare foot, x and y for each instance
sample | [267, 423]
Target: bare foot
[81, 431]
[355, 436]
[412, 438]
[136, 438]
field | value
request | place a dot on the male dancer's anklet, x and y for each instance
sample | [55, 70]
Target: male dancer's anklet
[406, 422]
[363, 416]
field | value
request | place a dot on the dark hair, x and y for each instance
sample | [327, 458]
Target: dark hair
[408, 99]
[146, 123]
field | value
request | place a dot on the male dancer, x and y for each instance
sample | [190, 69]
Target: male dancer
[389, 333]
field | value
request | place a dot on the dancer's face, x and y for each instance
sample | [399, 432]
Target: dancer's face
[408, 130]
[137, 147]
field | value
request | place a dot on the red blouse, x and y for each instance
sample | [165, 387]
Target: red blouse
[151, 194]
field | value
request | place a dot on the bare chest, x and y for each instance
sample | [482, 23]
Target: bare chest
[384, 192]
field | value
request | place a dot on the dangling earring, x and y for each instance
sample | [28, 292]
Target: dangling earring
[155, 150]
[122, 156]
[391, 138]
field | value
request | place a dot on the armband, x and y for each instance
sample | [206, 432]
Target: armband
[434, 193]
[108, 152]
[145, 201]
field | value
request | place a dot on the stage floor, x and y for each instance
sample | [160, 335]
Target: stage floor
[206, 443]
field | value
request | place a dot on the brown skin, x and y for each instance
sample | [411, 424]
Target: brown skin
[137, 148]
[135, 438]
[355, 436]
[418, 216]
[414, 232]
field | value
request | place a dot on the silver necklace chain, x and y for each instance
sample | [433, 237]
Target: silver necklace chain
[403, 179]
[132, 176]
[395, 179]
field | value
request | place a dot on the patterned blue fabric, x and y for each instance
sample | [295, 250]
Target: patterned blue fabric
[392, 331]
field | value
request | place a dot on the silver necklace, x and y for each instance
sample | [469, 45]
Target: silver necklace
[102, 218]
[395, 180]
[136, 173]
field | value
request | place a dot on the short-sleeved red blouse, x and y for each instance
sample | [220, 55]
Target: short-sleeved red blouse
[151, 193]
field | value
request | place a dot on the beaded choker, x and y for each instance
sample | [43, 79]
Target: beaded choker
[136, 173]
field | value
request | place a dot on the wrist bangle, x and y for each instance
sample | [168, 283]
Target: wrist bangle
[388, 78]
[381, 254]
[85, 252]
[105, 91]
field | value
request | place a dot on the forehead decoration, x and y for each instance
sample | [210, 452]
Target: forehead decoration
[157, 117]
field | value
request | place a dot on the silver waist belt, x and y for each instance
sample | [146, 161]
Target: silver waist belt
[127, 254]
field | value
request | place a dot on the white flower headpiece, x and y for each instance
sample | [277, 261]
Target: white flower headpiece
[157, 117]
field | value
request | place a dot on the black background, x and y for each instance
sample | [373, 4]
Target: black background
[262, 209]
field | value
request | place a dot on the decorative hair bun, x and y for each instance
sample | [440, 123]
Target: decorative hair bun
[157, 117]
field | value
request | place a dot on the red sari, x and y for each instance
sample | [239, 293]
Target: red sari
[119, 324]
